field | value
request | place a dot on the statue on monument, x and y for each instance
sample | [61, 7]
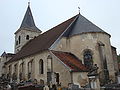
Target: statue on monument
[93, 70]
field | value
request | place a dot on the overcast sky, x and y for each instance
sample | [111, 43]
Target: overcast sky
[49, 13]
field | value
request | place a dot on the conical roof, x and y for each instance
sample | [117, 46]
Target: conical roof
[28, 21]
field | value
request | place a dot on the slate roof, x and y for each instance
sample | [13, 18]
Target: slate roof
[43, 41]
[83, 25]
[28, 21]
[70, 60]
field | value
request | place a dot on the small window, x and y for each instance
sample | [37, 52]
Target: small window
[21, 71]
[10, 69]
[30, 69]
[15, 68]
[27, 37]
[41, 67]
[49, 63]
[21, 67]
[57, 78]
[18, 50]
[19, 39]
[16, 42]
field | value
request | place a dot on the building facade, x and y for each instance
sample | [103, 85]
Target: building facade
[62, 55]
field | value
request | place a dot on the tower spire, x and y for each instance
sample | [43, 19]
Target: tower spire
[28, 20]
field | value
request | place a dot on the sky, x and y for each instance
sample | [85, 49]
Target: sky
[49, 13]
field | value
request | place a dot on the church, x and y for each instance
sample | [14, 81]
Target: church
[62, 55]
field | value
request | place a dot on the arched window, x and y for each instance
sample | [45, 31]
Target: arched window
[49, 63]
[41, 66]
[14, 75]
[27, 37]
[21, 71]
[88, 58]
[15, 68]
[30, 66]
[10, 69]
[19, 39]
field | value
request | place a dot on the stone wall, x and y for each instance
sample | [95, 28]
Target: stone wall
[35, 67]
[78, 43]
[63, 70]
[23, 41]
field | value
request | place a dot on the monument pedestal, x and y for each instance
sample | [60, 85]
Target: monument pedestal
[94, 81]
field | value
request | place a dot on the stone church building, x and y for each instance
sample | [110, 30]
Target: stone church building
[62, 55]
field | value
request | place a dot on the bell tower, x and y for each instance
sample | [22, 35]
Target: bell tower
[27, 30]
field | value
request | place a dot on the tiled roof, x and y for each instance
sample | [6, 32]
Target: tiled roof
[70, 60]
[28, 22]
[43, 41]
